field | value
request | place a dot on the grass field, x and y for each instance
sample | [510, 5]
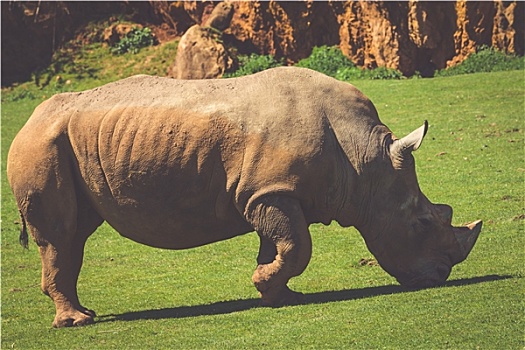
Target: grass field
[146, 298]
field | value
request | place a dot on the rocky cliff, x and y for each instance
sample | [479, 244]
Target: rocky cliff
[406, 35]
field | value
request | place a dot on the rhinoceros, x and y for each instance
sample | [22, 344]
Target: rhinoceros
[178, 164]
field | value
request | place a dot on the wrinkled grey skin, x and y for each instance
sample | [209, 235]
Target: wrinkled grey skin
[178, 164]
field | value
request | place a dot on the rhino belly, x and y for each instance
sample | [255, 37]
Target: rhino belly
[173, 223]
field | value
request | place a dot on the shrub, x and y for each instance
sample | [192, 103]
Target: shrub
[327, 60]
[355, 73]
[383, 73]
[349, 74]
[136, 39]
[485, 59]
[254, 63]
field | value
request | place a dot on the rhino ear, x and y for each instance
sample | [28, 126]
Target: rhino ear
[399, 149]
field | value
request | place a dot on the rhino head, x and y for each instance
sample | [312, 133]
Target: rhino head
[412, 238]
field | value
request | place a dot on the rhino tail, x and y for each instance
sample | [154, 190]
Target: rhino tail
[23, 238]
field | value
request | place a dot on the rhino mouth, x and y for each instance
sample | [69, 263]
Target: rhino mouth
[434, 278]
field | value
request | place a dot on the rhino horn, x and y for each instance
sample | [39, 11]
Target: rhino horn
[466, 237]
[400, 148]
[412, 141]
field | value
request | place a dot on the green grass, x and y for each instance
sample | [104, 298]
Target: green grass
[146, 298]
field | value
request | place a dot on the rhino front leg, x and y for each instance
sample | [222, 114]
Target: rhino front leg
[285, 250]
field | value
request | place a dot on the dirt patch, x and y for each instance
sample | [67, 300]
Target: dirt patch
[368, 262]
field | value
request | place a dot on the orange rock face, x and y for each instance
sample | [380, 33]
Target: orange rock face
[409, 36]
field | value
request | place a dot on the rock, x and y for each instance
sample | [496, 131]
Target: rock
[474, 23]
[173, 16]
[200, 55]
[220, 17]
[369, 35]
[508, 33]
[288, 29]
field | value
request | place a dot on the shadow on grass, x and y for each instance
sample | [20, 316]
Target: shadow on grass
[226, 307]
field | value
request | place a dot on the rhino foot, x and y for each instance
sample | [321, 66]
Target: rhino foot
[90, 313]
[283, 298]
[74, 318]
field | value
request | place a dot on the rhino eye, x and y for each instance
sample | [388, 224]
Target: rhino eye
[425, 222]
[423, 225]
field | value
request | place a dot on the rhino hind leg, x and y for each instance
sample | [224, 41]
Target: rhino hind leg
[285, 248]
[60, 219]
[61, 237]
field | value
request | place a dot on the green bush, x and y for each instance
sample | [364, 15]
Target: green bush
[136, 39]
[485, 59]
[355, 73]
[382, 73]
[254, 63]
[327, 60]
[349, 74]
